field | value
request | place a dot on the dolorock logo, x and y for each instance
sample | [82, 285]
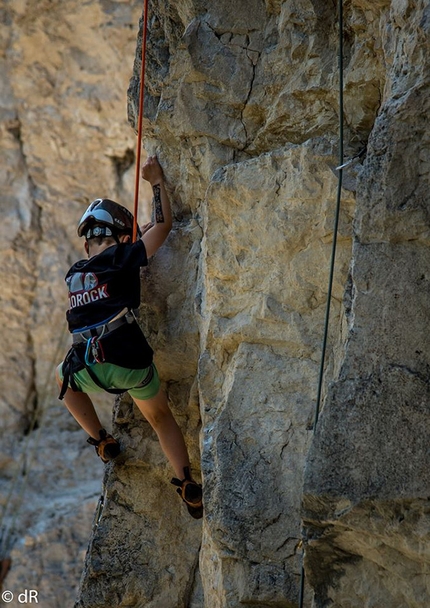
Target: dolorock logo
[81, 281]
[86, 297]
[84, 289]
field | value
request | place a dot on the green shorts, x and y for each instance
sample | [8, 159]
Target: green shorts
[143, 386]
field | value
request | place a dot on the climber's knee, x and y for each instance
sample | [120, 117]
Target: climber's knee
[155, 410]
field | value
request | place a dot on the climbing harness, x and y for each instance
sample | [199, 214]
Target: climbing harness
[139, 119]
[191, 493]
[91, 337]
[340, 168]
[73, 364]
[105, 328]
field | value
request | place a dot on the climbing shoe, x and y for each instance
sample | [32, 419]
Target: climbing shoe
[191, 493]
[106, 447]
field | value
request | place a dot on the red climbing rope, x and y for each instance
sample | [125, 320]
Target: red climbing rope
[139, 120]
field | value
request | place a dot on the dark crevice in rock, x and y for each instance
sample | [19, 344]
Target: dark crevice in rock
[121, 165]
[14, 127]
[32, 414]
[251, 84]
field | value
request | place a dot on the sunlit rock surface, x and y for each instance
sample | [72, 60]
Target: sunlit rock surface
[241, 106]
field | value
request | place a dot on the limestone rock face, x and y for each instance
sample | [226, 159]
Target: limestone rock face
[241, 106]
[257, 370]
[367, 480]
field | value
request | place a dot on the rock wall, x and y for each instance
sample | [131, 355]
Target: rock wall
[64, 140]
[367, 483]
[242, 108]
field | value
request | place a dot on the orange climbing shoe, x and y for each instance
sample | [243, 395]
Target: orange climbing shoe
[106, 447]
[191, 493]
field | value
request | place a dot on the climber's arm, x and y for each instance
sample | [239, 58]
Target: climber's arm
[155, 235]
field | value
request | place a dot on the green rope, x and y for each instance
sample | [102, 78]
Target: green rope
[336, 221]
[333, 252]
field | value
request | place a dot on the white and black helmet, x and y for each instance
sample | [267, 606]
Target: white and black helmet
[105, 212]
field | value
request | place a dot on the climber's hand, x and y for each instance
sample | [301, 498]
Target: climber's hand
[145, 227]
[152, 171]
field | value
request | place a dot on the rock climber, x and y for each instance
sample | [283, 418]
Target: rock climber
[110, 352]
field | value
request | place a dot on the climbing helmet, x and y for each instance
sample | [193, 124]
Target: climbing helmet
[105, 212]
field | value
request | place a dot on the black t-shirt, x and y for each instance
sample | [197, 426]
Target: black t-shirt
[99, 289]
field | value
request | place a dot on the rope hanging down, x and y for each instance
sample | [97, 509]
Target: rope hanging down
[333, 251]
[336, 218]
[139, 119]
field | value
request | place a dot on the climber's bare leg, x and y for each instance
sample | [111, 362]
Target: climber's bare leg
[82, 409]
[158, 414]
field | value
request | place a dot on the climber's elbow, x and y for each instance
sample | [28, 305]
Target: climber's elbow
[155, 237]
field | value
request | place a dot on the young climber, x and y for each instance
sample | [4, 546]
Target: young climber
[109, 351]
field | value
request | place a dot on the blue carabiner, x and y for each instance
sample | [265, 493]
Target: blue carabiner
[88, 351]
